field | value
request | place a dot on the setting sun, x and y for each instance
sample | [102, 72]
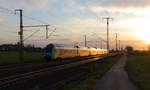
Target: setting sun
[143, 27]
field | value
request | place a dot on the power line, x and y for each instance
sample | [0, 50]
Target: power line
[52, 32]
[31, 35]
[35, 19]
[7, 10]
[7, 26]
[12, 12]
[21, 43]
[40, 26]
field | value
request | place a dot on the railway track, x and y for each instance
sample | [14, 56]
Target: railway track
[19, 69]
[59, 84]
[6, 80]
[14, 80]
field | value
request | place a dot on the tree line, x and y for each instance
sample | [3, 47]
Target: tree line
[15, 47]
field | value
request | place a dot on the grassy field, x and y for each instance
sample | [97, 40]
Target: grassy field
[13, 57]
[95, 71]
[138, 67]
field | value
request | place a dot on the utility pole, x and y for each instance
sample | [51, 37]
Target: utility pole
[116, 41]
[46, 31]
[108, 19]
[21, 45]
[101, 42]
[119, 45]
[85, 44]
[96, 42]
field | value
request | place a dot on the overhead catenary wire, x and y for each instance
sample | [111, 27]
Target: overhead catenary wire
[8, 11]
[31, 35]
[52, 32]
[31, 18]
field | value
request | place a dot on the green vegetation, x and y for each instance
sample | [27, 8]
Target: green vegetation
[138, 67]
[13, 57]
[95, 71]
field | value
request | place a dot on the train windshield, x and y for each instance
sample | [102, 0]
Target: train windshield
[49, 47]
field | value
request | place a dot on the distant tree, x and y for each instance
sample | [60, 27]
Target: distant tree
[148, 47]
[15, 47]
[129, 49]
[9, 47]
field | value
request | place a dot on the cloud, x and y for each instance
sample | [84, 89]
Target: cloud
[29, 4]
[82, 22]
[3, 19]
[124, 6]
[39, 4]
[120, 3]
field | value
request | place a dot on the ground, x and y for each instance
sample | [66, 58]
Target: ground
[116, 78]
[13, 57]
[138, 67]
[93, 71]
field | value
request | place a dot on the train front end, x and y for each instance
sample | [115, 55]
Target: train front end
[48, 51]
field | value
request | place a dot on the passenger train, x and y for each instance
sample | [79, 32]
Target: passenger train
[53, 52]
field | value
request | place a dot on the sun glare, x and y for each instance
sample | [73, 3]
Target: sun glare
[142, 26]
[139, 25]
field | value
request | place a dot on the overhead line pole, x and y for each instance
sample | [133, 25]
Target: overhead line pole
[31, 35]
[108, 19]
[101, 42]
[85, 44]
[46, 31]
[119, 45]
[21, 44]
[116, 41]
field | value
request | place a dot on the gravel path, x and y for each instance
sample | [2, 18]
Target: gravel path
[116, 78]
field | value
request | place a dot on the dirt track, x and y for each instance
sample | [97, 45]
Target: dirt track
[116, 78]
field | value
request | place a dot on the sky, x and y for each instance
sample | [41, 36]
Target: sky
[73, 19]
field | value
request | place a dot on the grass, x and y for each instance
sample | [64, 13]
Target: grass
[13, 57]
[138, 67]
[95, 71]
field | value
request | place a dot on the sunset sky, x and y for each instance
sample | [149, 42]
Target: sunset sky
[75, 18]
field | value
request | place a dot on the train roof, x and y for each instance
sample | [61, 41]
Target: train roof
[62, 46]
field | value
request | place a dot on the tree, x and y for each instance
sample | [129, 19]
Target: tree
[148, 47]
[129, 49]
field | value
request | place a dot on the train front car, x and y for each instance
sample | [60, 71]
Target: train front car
[49, 52]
